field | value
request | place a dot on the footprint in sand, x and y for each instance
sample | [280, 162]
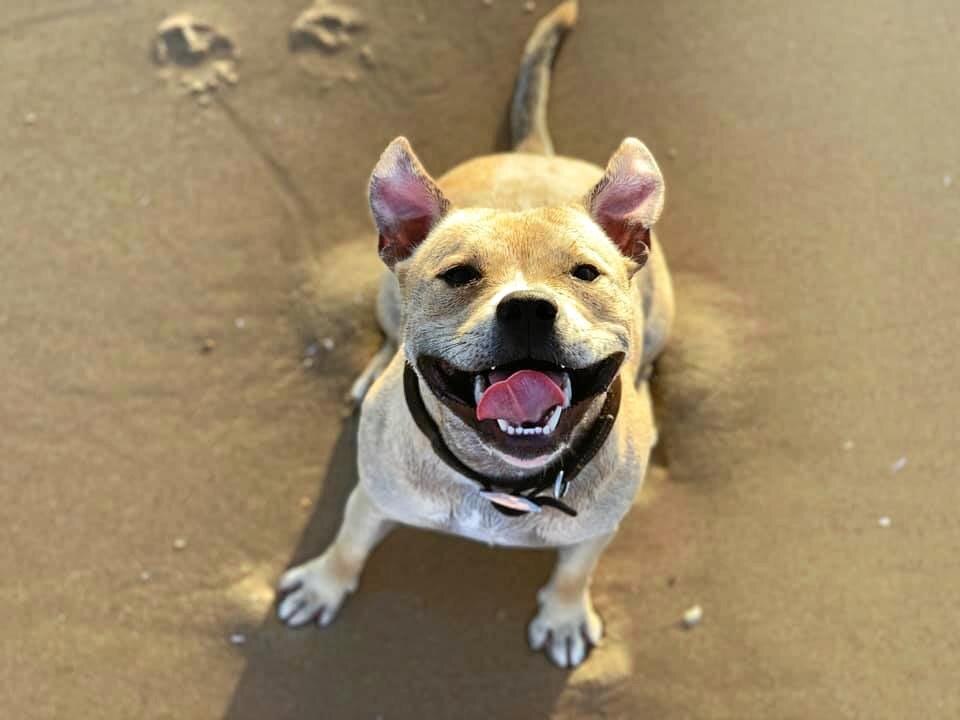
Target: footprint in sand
[320, 36]
[195, 54]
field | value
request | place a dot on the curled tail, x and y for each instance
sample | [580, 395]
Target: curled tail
[528, 111]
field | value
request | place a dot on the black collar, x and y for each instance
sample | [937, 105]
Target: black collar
[517, 497]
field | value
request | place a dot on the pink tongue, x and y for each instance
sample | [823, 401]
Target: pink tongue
[524, 397]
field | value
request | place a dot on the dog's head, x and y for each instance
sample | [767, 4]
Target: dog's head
[516, 321]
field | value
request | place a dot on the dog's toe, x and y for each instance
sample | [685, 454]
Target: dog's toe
[566, 647]
[537, 634]
[290, 579]
[290, 605]
[567, 650]
[304, 614]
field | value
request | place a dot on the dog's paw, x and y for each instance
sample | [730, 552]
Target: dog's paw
[313, 591]
[565, 631]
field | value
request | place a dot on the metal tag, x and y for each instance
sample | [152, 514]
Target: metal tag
[514, 502]
[560, 486]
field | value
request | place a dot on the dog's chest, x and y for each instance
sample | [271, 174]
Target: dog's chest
[408, 481]
[443, 501]
[458, 509]
[471, 522]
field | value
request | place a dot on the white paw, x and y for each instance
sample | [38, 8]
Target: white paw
[313, 592]
[565, 631]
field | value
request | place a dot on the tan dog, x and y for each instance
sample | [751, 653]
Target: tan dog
[526, 303]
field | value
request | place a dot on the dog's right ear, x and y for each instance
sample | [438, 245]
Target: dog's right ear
[405, 201]
[628, 199]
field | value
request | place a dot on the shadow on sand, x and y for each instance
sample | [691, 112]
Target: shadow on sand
[436, 629]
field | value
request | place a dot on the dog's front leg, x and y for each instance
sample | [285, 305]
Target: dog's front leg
[317, 588]
[566, 624]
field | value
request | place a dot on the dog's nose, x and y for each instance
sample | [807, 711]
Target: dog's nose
[527, 312]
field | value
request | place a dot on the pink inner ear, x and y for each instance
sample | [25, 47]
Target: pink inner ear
[622, 199]
[620, 207]
[627, 201]
[405, 209]
[406, 203]
[403, 198]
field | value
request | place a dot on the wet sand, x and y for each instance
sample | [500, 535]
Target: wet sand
[154, 489]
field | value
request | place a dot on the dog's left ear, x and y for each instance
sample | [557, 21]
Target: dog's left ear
[405, 201]
[628, 199]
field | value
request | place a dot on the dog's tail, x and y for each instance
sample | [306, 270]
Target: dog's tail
[528, 111]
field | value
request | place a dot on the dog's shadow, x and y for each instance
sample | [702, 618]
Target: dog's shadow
[436, 629]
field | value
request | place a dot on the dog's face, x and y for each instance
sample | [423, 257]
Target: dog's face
[517, 320]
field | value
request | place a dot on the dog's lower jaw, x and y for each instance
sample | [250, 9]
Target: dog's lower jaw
[483, 457]
[528, 465]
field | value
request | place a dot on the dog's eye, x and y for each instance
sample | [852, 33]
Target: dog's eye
[587, 273]
[460, 275]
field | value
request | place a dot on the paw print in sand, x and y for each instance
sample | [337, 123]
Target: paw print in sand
[325, 31]
[194, 52]
[326, 27]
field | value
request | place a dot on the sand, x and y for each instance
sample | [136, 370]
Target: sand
[172, 256]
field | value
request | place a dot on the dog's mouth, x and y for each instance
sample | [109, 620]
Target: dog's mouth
[526, 407]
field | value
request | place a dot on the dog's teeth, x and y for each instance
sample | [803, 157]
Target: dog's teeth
[567, 390]
[552, 422]
[477, 389]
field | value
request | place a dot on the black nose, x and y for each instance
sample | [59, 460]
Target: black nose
[526, 312]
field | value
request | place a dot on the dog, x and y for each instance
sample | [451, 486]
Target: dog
[524, 304]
